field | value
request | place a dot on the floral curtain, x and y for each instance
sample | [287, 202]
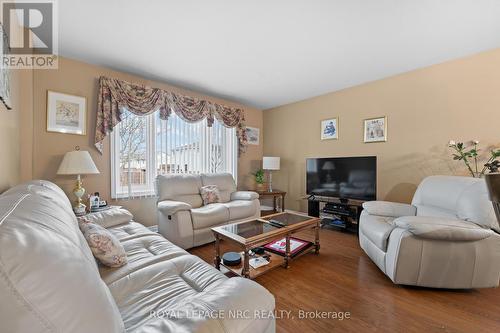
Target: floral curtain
[114, 95]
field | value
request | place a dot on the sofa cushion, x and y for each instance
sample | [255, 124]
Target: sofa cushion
[56, 193]
[428, 210]
[179, 295]
[185, 188]
[110, 217]
[224, 181]
[48, 273]
[474, 205]
[130, 230]
[209, 215]
[142, 251]
[441, 191]
[377, 229]
[442, 228]
[240, 209]
[164, 285]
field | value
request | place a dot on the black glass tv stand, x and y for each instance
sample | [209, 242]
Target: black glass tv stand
[337, 213]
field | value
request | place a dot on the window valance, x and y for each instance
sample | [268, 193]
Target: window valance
[114, 95]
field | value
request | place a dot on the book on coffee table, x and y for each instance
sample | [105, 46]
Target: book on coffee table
[279, 247]
[258, 262]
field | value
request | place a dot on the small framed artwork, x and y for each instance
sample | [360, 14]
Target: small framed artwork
[253, 135]
[375, 130]
[330, 129]
[66, 113]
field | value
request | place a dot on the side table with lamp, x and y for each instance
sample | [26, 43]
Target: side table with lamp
[78, 162]
[270, 164]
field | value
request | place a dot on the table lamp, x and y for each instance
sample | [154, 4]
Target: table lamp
[493, 184]
[78, 163]
[270, 164]
[329, 166]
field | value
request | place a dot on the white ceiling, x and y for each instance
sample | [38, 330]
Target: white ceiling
[269, 53]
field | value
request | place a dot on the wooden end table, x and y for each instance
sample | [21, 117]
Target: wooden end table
[275, 194]
[250, 234]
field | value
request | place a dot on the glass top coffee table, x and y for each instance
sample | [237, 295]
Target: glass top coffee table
[251, 234]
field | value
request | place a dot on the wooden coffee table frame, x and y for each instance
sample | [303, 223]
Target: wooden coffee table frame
[246, 244]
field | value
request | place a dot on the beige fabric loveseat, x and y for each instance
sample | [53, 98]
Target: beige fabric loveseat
[50, 281]
[186, 222]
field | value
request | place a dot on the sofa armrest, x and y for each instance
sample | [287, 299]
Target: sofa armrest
[169, 207]
[390, 209]
[109, 218]
[255, 302]
[442, 228]
[235, 305]
[244, 195]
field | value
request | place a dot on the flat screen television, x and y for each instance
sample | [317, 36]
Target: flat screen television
[342, 177]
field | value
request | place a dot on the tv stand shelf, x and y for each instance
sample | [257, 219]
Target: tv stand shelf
[338, 213]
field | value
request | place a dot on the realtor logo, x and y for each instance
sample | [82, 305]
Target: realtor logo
[30, 34]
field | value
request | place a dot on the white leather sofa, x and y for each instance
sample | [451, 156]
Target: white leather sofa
[447, 238]
[183, 219]
[50, 281]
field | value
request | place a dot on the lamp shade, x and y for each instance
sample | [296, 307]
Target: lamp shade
[328, 166]
[77, 162]
[270, 163]
[493, 184]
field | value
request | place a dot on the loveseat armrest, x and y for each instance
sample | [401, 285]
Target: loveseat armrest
[169, 207]
[244, 195]
[439, 228]
[390, 209]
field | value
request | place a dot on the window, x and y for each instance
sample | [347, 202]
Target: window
[144, 147]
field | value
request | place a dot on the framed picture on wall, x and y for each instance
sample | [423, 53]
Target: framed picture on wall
[375, 130]
[253, 135]
[330, 129]
[66, 113]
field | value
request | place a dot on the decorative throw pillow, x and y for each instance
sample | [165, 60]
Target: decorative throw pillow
[210, 194]
[105, 247]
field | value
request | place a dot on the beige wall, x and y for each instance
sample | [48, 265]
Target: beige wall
[10, 127]
[78, 78]
[14, 138]
[425, 108]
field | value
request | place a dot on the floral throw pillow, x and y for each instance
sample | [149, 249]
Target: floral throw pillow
[104, 245]
[210, 194]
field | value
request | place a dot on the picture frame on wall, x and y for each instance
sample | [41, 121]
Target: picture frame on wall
[66, 113]
[375, 130]
[330, 129]
[253, 135]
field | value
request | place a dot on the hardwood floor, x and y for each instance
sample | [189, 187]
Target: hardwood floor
[343, 278]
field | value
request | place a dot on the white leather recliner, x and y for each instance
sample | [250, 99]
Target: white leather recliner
[186, 222]
[447, 238]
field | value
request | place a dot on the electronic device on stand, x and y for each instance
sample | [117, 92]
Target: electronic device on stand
[339, 214]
